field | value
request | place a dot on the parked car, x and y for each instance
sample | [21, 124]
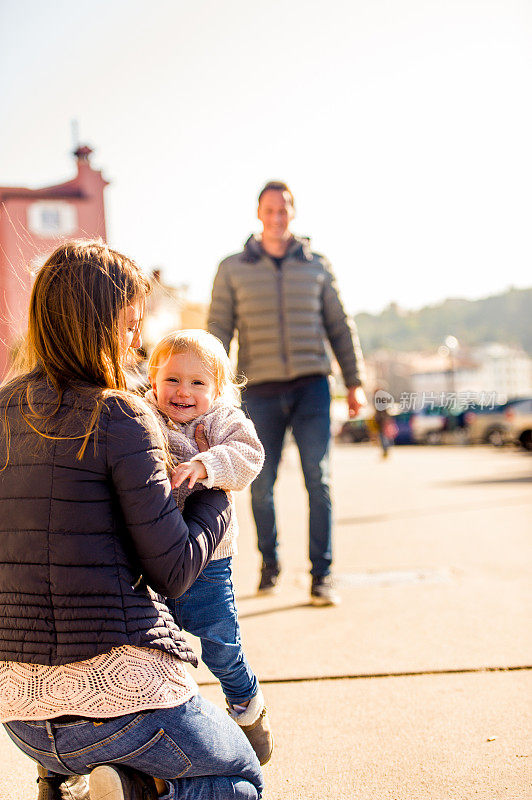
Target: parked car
[404, 428]
[428, 425]
[420, 427]
[502, 424]
[354, 431]
[520, 421]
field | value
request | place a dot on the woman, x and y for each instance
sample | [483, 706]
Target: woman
[91, 663]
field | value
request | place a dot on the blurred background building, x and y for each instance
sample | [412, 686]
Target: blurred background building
[489, 368]
[32, 224]
[168, 309]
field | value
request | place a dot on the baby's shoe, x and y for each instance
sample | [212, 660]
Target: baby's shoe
[255, 723]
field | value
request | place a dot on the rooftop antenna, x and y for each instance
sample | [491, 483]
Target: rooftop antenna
[74, 127]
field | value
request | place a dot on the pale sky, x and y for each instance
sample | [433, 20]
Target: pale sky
[404, 128]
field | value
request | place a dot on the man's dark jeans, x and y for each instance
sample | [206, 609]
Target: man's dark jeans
[306, 410]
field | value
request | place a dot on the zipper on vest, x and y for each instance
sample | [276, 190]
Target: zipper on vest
[282, 319]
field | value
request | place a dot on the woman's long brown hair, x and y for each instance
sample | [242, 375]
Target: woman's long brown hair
[73, 336]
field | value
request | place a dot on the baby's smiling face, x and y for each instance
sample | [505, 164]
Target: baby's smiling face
[183, 388]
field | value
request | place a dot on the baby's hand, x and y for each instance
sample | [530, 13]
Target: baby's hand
[193, 470]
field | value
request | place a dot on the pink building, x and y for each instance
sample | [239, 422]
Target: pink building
[32, 223]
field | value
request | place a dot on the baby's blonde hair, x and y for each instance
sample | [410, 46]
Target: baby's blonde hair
[209, 350]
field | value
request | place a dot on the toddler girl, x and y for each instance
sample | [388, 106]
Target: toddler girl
[193, 383]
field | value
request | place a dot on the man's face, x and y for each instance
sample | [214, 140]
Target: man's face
[276, 212]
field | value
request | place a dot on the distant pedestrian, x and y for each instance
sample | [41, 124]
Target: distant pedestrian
[385, 426]
[193, 386]
[282, 300]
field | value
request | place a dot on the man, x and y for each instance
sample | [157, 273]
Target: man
[282, 300]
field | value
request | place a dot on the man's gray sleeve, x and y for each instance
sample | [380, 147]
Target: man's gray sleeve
[341, 333]
[221, 320]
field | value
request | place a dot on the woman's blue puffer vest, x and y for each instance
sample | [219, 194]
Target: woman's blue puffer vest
[85, 546]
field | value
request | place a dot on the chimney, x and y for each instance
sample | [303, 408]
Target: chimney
[90, 183]
[82, 153]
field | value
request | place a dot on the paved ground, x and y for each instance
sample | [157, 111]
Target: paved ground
[418, 687]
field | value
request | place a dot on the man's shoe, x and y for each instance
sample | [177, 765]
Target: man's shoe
[322, 591]
[61, 787]
[120, 783]
[269, 575]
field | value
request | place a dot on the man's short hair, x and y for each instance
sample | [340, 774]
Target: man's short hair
[277, 186]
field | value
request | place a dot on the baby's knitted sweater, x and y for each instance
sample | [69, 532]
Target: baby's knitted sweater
[233, 460]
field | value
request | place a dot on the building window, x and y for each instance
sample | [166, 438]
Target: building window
[52, 218]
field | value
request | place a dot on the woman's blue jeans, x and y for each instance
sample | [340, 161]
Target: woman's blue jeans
[208, 610]
[306, 410]
[197, 748]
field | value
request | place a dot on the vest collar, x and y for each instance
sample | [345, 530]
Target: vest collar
[298, 249]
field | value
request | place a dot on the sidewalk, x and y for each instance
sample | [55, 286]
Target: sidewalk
[416, 687]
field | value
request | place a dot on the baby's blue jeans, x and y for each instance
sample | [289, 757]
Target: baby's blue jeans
[208, 611]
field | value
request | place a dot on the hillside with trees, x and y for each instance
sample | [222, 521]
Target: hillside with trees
[505, 318]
